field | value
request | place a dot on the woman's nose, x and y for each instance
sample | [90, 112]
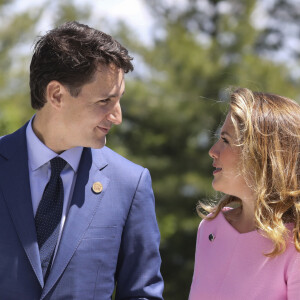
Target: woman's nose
[213, 151]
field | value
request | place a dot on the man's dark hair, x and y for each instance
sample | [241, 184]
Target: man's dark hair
[71, 54]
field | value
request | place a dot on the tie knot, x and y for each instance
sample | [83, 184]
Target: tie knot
[57, 164]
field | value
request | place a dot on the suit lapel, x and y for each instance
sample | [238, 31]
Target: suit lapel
[83, 207]
[15, 185]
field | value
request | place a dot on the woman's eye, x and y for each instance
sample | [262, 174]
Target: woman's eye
[225, 140]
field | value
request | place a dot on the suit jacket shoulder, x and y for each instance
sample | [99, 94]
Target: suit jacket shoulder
[11, 142]
[113, 165]
[116, 159]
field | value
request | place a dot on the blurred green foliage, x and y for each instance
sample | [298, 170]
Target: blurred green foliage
[171, 108]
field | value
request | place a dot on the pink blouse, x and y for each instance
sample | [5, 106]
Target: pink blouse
[231, 266]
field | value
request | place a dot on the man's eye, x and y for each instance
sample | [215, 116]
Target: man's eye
[104, 100]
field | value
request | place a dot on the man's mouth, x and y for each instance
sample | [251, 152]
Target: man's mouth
[103, 129]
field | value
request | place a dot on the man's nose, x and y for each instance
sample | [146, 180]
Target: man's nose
[115, 115]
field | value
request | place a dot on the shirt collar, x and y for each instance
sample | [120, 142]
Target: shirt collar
[39, 154]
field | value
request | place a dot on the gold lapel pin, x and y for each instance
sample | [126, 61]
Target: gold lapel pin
[97, 187]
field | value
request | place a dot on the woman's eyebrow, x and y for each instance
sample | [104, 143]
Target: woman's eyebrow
[225, 133]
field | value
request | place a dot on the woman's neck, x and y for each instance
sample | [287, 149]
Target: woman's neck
[242, 218]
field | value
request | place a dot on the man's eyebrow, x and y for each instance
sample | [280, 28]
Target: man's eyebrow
[225, 133]
[114, 95]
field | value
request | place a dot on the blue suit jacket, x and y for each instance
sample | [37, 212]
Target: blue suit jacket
[108, 237]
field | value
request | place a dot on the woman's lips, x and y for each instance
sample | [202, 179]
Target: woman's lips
[217, 170]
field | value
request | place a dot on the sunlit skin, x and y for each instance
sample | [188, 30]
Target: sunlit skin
[228, 178]
[66, 121]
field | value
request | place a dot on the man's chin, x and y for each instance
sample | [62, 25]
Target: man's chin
[99, 144]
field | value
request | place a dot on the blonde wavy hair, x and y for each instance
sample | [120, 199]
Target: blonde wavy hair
[268, 131]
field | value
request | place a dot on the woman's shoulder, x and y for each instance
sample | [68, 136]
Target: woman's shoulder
[212, 220]
[219, 223]
[213, 226]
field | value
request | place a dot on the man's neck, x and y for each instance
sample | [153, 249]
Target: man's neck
[46, 131]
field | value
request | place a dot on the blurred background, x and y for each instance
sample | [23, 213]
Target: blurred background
[187, 54]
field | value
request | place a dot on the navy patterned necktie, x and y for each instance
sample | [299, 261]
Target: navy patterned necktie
[48, 215]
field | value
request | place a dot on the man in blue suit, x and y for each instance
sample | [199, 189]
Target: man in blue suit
[106, 236]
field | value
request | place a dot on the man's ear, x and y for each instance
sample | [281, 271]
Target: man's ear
[55, 92]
